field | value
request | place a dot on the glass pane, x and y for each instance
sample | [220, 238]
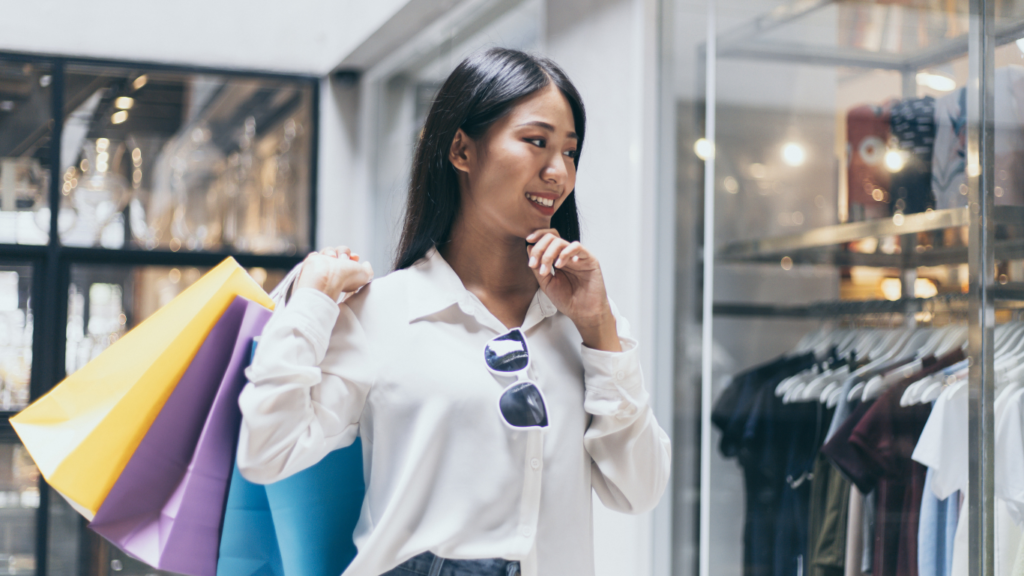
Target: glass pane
[19, 500]
[838, 361]
[16, 328]
[104, 302]
[26, 124]
[186, 161]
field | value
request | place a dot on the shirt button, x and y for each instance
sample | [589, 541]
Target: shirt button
[526, 531]
[620, 375]
[535, 464]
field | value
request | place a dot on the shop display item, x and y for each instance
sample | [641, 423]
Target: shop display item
[912, 123]
[867, 134]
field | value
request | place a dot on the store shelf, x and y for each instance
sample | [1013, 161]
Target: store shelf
[1008, 295]
[826, 245]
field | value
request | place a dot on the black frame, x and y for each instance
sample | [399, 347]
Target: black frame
[51, 264]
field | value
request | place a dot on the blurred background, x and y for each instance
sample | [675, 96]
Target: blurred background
[140, 143]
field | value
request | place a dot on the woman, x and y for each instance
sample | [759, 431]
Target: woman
[492, 383]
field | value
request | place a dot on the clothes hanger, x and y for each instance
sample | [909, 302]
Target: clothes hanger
[887, 349]
[920, 341]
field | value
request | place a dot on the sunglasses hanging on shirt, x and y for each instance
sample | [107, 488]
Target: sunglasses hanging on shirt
[522, 403]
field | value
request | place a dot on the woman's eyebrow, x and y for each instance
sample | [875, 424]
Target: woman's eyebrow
[547, 127]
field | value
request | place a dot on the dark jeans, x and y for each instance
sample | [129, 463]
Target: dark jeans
[427, 564]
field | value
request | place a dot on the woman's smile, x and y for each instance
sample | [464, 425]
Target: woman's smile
[543, 202]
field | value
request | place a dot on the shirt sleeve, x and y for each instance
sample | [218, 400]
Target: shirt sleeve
[631, 454]
[307, 386]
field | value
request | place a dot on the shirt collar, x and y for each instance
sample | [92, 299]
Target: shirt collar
[435, 287]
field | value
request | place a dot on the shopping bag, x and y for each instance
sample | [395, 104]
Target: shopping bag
[82, 433]
[299, 526]
[166, 507]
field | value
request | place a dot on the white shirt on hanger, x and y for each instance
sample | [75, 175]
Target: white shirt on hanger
[401, 365]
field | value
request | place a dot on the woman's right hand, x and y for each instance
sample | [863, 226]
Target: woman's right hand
[334, 271]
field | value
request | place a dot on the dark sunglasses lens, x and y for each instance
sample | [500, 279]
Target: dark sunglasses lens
[523, 406]
[507, 353]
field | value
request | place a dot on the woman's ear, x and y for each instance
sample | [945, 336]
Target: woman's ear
[460, 153]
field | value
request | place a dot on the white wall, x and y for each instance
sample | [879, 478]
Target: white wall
[608, 49]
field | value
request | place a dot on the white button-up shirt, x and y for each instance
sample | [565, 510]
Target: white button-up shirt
[401, 365]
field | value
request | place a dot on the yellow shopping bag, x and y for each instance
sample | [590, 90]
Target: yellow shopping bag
[82, 433]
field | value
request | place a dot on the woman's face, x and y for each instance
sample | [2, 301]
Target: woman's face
[516, 175]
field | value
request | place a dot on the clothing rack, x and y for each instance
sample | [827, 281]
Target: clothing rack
[837, 308]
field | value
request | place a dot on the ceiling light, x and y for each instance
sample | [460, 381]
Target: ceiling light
[704, 149]
[938, 82]
[124, 102]
[119, 117]
[793, 154]
[140, 82]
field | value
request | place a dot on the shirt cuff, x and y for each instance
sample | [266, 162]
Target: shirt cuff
[315, 315]
[612, 370]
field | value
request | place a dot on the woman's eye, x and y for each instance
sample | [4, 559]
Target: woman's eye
[539, 142]
[570, 153]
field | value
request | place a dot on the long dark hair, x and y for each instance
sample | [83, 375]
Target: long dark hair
[479, 92]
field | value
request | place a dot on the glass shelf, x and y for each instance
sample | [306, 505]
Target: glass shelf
[828, 244]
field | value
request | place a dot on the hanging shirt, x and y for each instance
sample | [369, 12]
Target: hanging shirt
[749, 415]
[401, 365]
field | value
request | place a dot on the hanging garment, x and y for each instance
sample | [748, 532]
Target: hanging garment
[748, 415]
[949, 180]
[936, 531]
[913, 128]
[867, 131]
[877, 455]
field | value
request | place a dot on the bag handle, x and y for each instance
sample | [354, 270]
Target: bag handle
[283, 291]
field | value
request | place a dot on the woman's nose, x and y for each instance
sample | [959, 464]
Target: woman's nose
[554, 171]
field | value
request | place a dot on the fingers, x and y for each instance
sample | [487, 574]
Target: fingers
[338, 251]
[547, 260]
[571, 252]
[539, 233]
[537, 251]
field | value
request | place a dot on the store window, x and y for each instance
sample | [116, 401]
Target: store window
[26, 119]
[157, 174]
[860, 286]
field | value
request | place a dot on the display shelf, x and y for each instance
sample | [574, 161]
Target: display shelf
[826, 245]
[1007, 295]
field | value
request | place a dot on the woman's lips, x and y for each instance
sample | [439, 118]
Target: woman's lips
[541, 201]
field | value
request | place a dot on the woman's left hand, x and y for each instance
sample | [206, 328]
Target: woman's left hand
[571, 277]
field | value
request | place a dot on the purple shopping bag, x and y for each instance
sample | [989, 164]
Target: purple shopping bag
[167, 506]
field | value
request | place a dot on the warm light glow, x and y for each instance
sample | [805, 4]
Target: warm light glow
[787, 263]
[140, 82]
[938, 82]
[136, 156]
[895, 160]
[704, 149]
[124, 102]
[794, 154]
[892, 288]
[758, 170]
[897, 219]
[925, 288]
[731, 185]
[119, 117]
[102, 144]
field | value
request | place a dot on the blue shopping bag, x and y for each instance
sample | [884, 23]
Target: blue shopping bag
[300, 526]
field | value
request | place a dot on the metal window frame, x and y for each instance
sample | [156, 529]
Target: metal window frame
[52, 263]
